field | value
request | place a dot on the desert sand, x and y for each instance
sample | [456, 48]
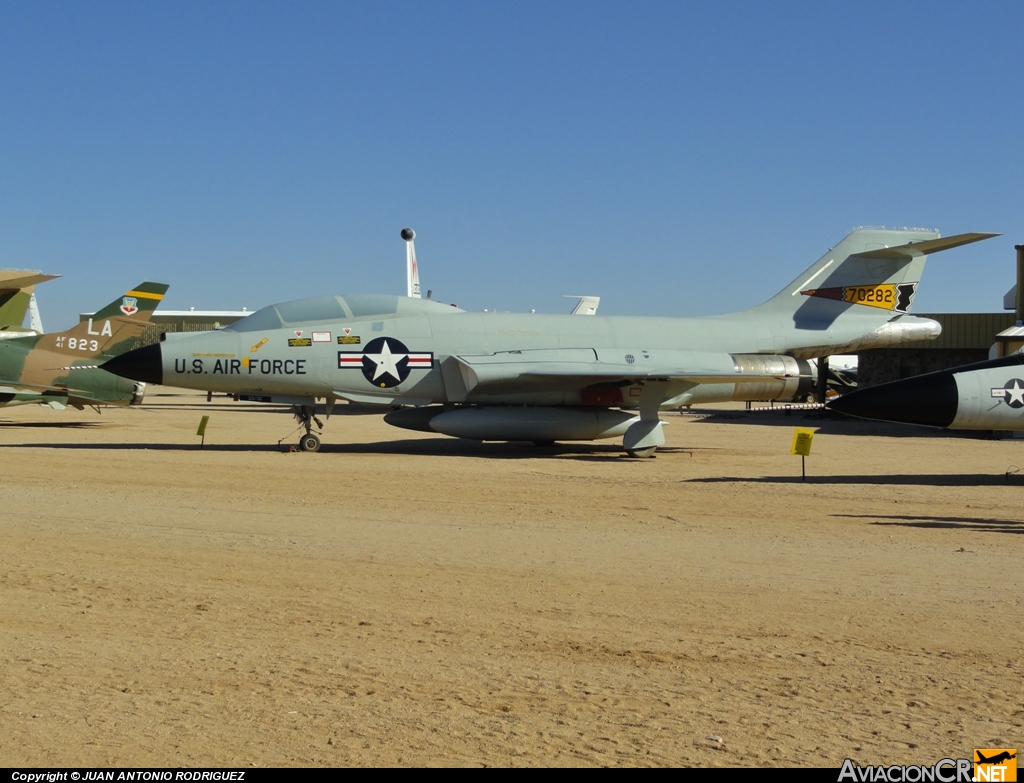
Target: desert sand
[409, 599]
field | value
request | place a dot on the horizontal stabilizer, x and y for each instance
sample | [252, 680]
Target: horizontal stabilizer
[39, 387]
[924, 247]
[22, 280]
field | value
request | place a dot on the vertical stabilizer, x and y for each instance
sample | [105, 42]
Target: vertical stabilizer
[872, 271]
[35, 321]
[137, 304]
[586, 305]
[112, 329]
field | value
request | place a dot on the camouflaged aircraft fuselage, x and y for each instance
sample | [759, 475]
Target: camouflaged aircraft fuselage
[62, 368]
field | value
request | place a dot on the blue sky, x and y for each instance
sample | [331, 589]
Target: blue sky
[673, 158]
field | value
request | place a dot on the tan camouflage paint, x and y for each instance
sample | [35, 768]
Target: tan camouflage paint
[61, 368]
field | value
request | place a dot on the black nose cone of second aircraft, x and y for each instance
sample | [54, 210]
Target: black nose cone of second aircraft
[931, 400]
[143, 364]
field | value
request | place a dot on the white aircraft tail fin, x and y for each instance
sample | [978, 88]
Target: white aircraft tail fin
[587, 305]
[412, 271]
[871, 270]
[35, 322]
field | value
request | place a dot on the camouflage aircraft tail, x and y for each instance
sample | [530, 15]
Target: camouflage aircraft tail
[140, 302]
[16, 287]
[113, 329]
[872, 271]
[61, 368]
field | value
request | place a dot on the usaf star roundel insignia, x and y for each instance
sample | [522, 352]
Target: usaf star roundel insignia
[385, 361]
[1013, 393]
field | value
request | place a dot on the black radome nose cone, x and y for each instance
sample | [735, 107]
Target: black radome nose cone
[143, 364]
[931, 400]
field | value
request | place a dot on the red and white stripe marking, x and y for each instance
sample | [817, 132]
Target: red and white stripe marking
[422, 361]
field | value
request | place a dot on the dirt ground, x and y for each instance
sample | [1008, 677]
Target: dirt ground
[407, 599]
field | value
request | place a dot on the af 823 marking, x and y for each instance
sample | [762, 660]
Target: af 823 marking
[76, 343]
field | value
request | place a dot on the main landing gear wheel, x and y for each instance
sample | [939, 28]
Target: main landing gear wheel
[309, 442]
[642, 453]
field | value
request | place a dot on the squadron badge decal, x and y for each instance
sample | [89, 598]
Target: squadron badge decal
[129, 305]
[385, 361]
[885, 296]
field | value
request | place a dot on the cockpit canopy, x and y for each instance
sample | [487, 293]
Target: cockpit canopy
[329, 309]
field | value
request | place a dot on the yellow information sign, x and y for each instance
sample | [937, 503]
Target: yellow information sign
[202, 431]
[802, 442]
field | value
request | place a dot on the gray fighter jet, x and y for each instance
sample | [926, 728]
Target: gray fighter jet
[546, 378]
[983, 396]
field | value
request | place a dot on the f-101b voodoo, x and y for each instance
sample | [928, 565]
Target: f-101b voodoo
[545, 378]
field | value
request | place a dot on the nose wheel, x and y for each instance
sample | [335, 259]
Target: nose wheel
[309, 442]
[306, 418]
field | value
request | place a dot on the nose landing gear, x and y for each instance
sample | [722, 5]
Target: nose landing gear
[304, 414]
